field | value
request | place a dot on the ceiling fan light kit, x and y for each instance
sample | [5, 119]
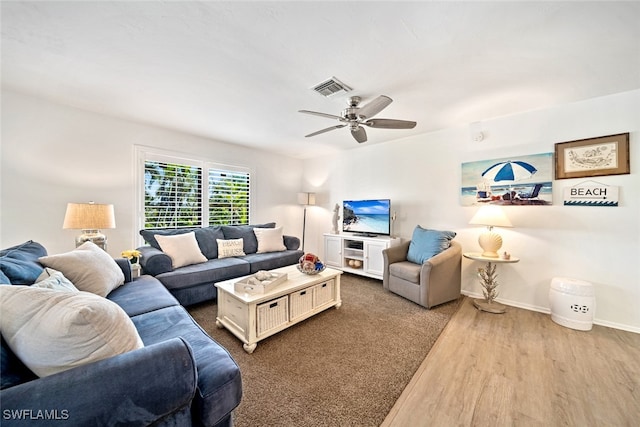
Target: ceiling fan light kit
[355, 117]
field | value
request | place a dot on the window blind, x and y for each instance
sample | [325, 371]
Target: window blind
[228, 197]
[174, 195]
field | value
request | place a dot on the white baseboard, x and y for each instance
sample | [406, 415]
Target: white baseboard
[546, 310]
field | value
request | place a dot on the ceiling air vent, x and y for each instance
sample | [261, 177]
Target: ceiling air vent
[331, 87]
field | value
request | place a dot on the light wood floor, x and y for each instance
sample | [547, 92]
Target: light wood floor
[522, 369]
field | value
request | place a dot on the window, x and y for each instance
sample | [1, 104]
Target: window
[172, 195]
[228, 197]
[175, 194]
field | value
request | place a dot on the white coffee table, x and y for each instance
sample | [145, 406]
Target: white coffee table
[254, 317]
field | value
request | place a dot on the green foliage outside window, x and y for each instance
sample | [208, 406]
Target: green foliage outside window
[173, 196]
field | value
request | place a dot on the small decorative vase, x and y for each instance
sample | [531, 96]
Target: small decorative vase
[133, 260]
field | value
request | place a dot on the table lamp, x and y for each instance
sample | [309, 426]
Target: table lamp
[306, 199]
[90, 218]
[491, 216]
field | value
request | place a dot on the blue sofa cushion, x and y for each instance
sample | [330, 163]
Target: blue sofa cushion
[245, 232]
[143, 295]
[426, 243]
[212, 271]
[12, 370]
[271, 260]
[205, 236]
[207, 240]
[219, 381]
[19, 264]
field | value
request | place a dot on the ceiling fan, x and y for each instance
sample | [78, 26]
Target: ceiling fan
[355, 117]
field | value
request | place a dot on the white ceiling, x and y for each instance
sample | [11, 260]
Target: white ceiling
[239, 71]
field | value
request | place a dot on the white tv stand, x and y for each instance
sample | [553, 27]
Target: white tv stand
[356, 254]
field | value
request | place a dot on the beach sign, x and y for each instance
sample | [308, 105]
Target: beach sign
[591, 193]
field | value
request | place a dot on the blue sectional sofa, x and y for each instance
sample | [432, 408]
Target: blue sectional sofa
[193, 283]
[180, 377]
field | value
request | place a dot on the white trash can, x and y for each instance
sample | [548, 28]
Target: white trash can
[572, 302]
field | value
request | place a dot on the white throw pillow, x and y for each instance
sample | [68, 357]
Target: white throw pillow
[53, 279]
[182, 248]
[51, 331]
[88, 267]
[269, 239]
[230, 248]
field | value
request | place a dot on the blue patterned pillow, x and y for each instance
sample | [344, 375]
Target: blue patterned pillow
[427, 243]
[19, 264]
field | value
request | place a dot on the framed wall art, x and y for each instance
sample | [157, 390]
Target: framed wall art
[604, 155]
[511, 181]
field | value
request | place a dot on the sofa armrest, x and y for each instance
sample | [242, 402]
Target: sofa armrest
[135, 389]
[291, 242]
[441, 276]
[153, 261]
[125, 266]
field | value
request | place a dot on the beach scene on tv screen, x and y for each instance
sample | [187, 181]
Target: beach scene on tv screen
[366, 216]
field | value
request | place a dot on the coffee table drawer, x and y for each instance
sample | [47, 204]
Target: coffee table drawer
[324, 293]
[235, 312]
[301, 303]
[272, 314]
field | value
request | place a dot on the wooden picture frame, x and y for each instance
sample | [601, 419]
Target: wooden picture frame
[604, 155]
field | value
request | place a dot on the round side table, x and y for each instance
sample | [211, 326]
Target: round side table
[488, 281]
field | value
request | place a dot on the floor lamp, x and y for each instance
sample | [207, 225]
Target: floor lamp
[305, 199]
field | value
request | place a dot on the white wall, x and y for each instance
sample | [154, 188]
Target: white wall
[422, 177]
[52, 155]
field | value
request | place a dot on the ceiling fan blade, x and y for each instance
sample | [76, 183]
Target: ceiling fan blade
[389, 124]
[374, 107]
[315, 113]
[359, 134]
[325, 130]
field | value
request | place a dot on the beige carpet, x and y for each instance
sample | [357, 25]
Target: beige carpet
[342, 367]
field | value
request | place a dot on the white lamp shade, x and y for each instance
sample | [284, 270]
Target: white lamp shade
[491, 216]
[89, 216]
[307, 198]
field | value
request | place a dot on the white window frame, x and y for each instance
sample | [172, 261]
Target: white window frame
[144, 154]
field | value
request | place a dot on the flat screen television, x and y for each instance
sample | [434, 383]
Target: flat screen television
[367, 217]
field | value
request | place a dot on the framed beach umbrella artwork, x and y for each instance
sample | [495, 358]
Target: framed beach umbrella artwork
[518, 181]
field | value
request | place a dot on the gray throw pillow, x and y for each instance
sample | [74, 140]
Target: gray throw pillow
[88, 267]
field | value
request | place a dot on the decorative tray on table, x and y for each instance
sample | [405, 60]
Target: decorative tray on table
[260, 282]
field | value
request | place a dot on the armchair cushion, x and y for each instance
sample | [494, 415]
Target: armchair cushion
[427, 243]
[406, 270]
